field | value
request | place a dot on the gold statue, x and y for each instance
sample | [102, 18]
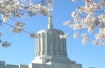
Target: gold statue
[50, 19]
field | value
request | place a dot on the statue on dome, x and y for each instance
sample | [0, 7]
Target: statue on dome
[50, 19]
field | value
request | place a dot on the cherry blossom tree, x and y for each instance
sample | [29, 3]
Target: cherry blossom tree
[86, 17]
[16, 8]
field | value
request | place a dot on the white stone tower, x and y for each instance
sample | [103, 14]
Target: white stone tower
[49, 47]
[51, 50]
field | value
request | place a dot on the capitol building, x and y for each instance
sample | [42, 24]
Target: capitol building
[51, 52]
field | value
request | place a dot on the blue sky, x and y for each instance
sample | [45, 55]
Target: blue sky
[22, 50]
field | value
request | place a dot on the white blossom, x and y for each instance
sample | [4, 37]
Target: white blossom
[91, 28]
[61, 36]
[85, 41]
[95, 42]
[102, 30]
[90, 14]
[5, 17]
[76, 35]
[77, 26]
[66, 36]
[71, 26]
[101, 16]
[83, 35]
[74, 1]
[67, 23]
[81, 9]
[95, 6]
[17, 29]
[74, 14]
[19, 24]
[76, 20]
